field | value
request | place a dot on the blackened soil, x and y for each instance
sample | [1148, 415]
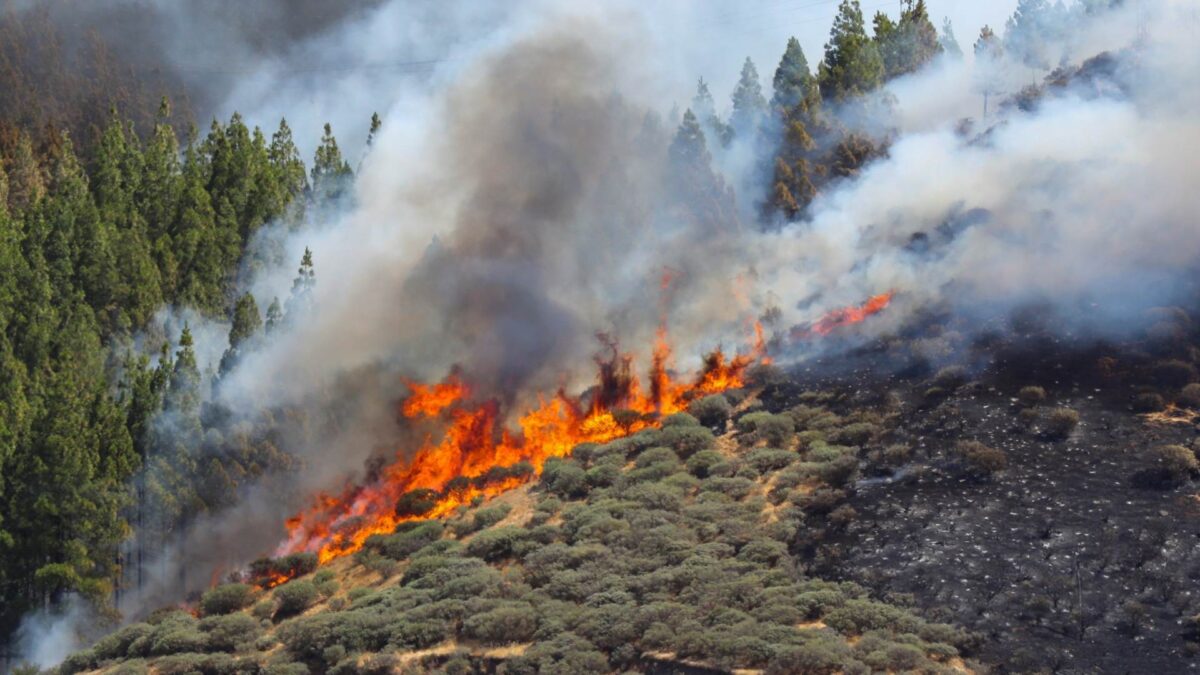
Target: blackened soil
[1059, 562]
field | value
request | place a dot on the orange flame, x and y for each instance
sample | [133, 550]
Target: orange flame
[476, 456]
[845, 316]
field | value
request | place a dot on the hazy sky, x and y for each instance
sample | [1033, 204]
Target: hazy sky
[761, 28]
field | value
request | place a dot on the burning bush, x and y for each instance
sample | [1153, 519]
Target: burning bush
[1060, 423]
[268, 570]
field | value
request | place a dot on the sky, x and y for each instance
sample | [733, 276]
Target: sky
[764, 26]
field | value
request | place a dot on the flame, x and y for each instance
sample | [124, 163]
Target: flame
[845, 316]
[476, 456]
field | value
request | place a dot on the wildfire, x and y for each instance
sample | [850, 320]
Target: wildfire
[844, 316]
[476, 456]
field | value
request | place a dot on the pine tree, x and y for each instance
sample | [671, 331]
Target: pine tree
[274, 316]
[246, 322]
[330, 173]
[705, 110]
[749, 105]
[26, 181]
[906, 46]
[183, 393]
[1029, 33]
[794, 83]
[291, 178]
[376, 123]
[948, 42]
[852, 65]
[300, 301]
[989, 57]
[697, 189]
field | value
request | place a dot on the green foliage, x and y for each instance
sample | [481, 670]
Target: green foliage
[852, 65]
[226, 598]
[711, 411]
[497, 543]
[776, 430]
[295, 597]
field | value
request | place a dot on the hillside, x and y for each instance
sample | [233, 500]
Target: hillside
[668, 551]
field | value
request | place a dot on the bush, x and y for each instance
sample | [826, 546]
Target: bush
[1167, 466]
[503, 625]
[226, 598]
[415, 503]
[1148, 402]
[774, 429]
[711, 411]
[482, 519]
[1189, 396]
[686, 440]
[859, 434]
[229, 633]
[116, 644]
[1173, 373]
[734, 487]
[497, 544]
[950, 378]
[1060, 423]
[980, 461]
[290, 566]
[1031, 395]
[564, 478]
[294, 597]
[680, 419]
[769, 459]
[701, 464]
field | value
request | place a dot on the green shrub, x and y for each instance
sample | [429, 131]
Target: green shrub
[1031, 395]
[497, 544]
[408, 540]
[701, 463]
[290, 566]
[680, 419]
[603, 475]
[503, 625]
[226, 598]
[285, 668]
[774, 429]
[736, 488]
[1060, 423]
[230, 632]
[859, 434]
[294, 597]
[116, 644]
[686, 440]
[564, 478]
[654, 456]
[482, 519]
[769, 459]
[711, 411]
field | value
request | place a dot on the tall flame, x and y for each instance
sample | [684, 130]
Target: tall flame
[476, 456]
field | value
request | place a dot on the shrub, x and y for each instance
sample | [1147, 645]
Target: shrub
[774, 429]
[686, 440]
[228, 633]
[859, 433]
[655, 456]
[700, 464]
[1060, 423]
[711, 411]
[497, 544]
[564, 478]
[404, 543]
[294, 597]
[680, 419]
[1031, 395]
[1190, 396]
[1148, 402]
[1173, 373]
[841, 471]
[417, 502]
[116, 645]
[482, 519]
[950, 377]
[1167, 466]
[734, 487]
[503, 625]
[980, 461]
[769, 459]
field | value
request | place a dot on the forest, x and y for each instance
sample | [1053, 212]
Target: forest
[121, 221]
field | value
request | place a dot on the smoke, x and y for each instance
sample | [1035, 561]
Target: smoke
[46, 637]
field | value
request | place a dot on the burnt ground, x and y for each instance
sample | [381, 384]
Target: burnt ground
[1060, 563]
